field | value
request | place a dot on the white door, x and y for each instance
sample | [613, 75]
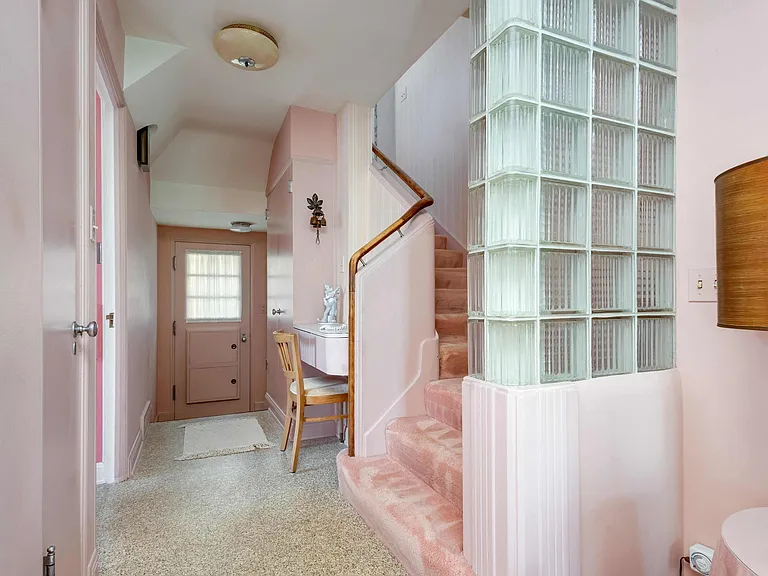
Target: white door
[46, 436]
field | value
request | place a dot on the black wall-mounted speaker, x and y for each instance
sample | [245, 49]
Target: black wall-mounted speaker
[142, 148]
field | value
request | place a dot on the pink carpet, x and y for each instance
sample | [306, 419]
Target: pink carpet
[412, 497]
[421, 529]
[431, 451]
[443, 401]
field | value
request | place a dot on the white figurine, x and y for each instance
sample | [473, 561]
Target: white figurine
[331, 303]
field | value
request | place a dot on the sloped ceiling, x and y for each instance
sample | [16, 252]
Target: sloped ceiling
[331, 52]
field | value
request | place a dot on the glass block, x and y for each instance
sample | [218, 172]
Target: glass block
[614, 25]
[511, 281]
[476, 338]
[655, 343]
[477, 151]
[564, 144]
[655, 161]
[568, 17]
[612, 286]
[612, 351]
[612, 153]
[655, 222]
[613, 88]
[511, 353]
[501, 12]
[656, 93]
[655, 283]
[512, 138]
[563, 213]
[612, 216]
[512, 210]
[658, 36]
[475, 282]
[477, 84]
[563, 350]
[564, 74]
[513, 65]
[479, 25]
[563, 282]
[476, 209]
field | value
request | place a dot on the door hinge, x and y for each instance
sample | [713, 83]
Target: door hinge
[290, 186]
[174, 327]
[174, 262]
[174, 392]
[99, 255]
[267, 365]
[49, 562]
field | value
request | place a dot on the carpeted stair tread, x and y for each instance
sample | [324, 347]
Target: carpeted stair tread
[421, 528]
[449, 300]
[442, 399]
[441, 242]
[454, 359]
[449, 258]
[451, 278]
[431, 450]
[451, 324]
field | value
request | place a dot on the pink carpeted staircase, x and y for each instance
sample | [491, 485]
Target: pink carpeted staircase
[412, 496]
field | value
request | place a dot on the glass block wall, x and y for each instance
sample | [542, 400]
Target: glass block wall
[571, 193]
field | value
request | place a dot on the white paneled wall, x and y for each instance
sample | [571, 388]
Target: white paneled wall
[431, 115]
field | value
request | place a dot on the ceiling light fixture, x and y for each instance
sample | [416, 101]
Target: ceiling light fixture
[247, 47]
[241, 226]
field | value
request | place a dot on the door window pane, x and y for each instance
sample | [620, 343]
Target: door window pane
[214, 286]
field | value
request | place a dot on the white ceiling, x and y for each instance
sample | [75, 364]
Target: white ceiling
[331, 52]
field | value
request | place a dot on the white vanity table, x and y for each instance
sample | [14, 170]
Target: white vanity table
[327, 351]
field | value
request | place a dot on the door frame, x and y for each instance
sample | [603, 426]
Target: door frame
[167, 237]
[115, 453]
[86, 280]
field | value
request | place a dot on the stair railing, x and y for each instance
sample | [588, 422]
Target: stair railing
[424, 201]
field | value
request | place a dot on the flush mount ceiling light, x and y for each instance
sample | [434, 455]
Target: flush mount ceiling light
[241, 226]
[247, 47]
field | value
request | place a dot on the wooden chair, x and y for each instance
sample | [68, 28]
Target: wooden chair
[302, 393]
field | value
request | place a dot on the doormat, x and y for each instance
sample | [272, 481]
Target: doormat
[223, 437]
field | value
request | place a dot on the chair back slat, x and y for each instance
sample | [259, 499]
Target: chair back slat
[290, 359]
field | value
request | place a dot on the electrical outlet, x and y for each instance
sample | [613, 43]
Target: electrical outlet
[701, 558]
[702, 285]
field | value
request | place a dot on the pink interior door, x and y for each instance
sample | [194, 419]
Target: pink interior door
[279, 281]
[212, 311]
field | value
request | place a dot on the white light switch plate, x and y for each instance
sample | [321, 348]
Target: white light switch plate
[702, 285]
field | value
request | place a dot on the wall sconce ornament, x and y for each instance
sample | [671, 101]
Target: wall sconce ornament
[317, 220]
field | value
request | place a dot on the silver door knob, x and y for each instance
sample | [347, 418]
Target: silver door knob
[243, 338]
[277, 312]
[92, 329]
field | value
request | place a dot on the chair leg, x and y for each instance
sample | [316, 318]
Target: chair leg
[287, 424]
[297, 434]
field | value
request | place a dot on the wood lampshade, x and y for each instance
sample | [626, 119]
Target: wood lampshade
[742, 246]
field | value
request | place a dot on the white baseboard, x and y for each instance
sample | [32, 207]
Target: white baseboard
[93, 564]
[133, 455]
[145, 417]
[100, 473]
[311, 431]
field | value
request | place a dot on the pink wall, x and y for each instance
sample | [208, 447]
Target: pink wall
[142, 290]
[722, 122]
[307, 140]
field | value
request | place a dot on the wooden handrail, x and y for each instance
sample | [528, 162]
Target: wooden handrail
[424, 201]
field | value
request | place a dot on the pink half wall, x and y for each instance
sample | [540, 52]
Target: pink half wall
[722, 122]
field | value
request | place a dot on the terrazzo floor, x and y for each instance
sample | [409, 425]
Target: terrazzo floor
[243, 514]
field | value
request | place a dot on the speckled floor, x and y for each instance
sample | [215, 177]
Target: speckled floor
[243, 514]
